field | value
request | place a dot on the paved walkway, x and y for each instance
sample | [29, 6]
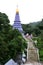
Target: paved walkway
[31, 45]
[33, 63]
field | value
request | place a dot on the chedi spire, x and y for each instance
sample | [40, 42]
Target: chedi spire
[17, 22]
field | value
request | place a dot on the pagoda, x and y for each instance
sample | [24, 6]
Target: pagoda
[17, 22]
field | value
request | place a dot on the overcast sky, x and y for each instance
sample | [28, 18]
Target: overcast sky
[29, 10]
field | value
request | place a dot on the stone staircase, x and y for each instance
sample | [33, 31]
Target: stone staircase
[32, 51]
[33, 63]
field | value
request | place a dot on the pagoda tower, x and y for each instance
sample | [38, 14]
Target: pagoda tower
[17, 22]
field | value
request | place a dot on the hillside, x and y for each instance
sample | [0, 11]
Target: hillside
[36, 29]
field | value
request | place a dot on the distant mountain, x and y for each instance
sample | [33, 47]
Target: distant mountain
[34, 24]
[34, 27]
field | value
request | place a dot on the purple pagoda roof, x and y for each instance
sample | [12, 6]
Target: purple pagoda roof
[17, 22]
[17, 18]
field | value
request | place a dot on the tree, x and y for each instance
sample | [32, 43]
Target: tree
[4, 31]
[17, 44]
[11, 40]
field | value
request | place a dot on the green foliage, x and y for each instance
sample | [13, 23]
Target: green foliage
[35, 28]
[11, 40]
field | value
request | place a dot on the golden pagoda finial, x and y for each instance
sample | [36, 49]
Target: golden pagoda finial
[17, 11]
